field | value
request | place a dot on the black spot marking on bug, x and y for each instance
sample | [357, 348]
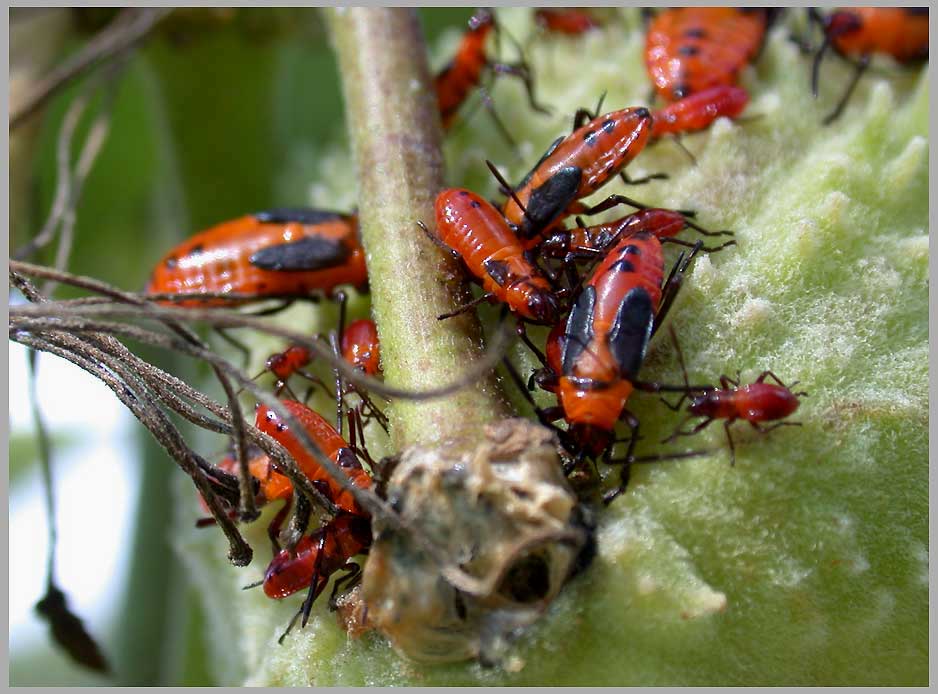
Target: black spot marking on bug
[196, 250]
[608, 125]
[464, 193]
[622, 266]
[309, 253]
[695, 33]
[549, 199]
[589, 137]
[632, 249]
[680, 91]
[300, 215]
[475, 204]
[579, 329]
[688, 49]
[172, 262]
[630, 331]
[498, 271]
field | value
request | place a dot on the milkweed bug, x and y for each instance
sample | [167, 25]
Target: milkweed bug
[464, 72]
[755, 403]
[574, 167]
[315, 559]
[591, 242]
[278, 253]
[860, 32]
[357, 346]
[592, 362]
[569, 21]
[270, 486]
[330, 443]
[699, 110]
[690, 49]
[474, 232]
[360, 346]
[257, 460]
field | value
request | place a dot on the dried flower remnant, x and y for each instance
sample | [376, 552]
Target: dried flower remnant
[510, 527]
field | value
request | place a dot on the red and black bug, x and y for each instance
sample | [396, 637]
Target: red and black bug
[473, 231]
[690, 49]
[278, 253]
[591, 242]
[359, 348]
[330, 444]
[315, 559]
[699, 110]
[574, 167]
[569, 21]
[464, 73]
[860, 32]
[317, 556]
[755, 403]
[592, 364]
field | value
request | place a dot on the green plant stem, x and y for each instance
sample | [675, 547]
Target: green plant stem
[395, 133]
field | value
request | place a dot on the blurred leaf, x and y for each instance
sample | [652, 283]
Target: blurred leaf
[24, 451]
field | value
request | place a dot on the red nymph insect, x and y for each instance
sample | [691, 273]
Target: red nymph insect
[699, 110]
[860, 32]
[278, 253]
[690, 49]
[755, 403]
[360, 346]
[569, 21]
[464, 73]
[473, 231]
[329, 442]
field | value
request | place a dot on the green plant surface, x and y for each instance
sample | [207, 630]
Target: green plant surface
[806, 563]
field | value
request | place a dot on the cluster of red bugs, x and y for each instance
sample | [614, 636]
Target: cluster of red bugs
[603, 289]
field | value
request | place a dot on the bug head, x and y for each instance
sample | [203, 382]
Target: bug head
[542, 307]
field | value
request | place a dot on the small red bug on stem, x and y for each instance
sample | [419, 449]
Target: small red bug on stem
[357, 345]
[755, 403]
[860, 32]
[476, 234]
